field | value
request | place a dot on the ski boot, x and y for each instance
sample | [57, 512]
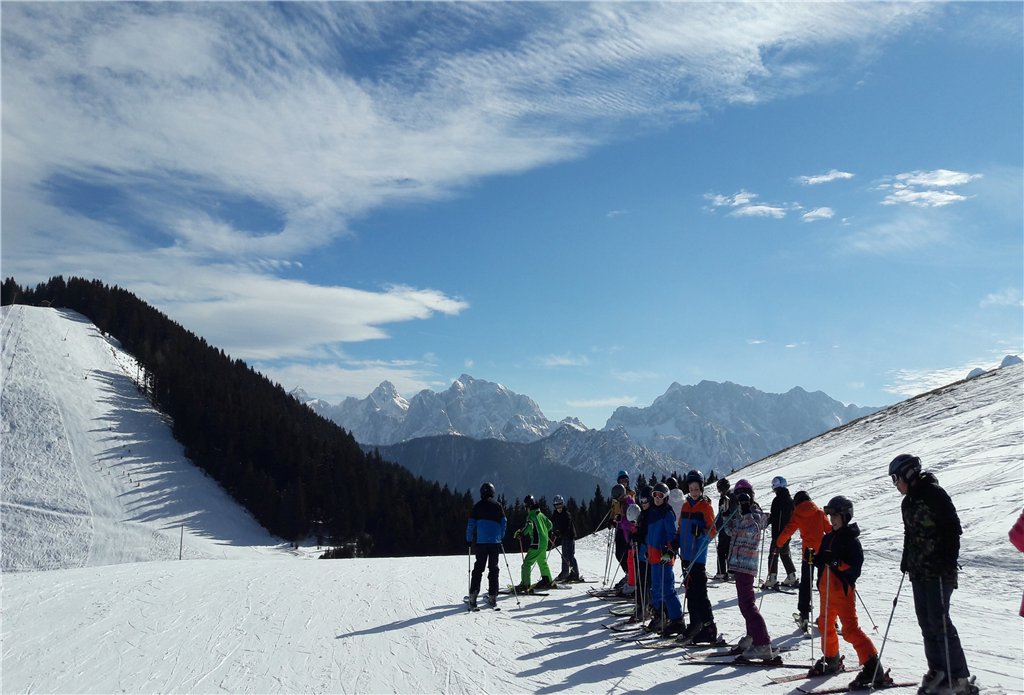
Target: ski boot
[574, 577]
[771, 583]
[657, 623]
[544, 583]
[707, 634]
[803, 621]
[826, 664]
[674, 627]
[562, 576]
[791, 580]
[763, 652]
[746, 641]
[522, 588]
[472, 602]
[872, 675]
[492, 600]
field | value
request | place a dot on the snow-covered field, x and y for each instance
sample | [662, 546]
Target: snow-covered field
[95, 599]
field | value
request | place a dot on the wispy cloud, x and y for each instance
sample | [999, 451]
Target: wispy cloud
[755, 342]
[566, 360]
[336, 380]
[603, 402]
[744, 207]
[824, 178]
[909, 382]
[818, 214]
[1008, 297]
[630, 377]
[907, 188]
[616, 213]
[907, 232]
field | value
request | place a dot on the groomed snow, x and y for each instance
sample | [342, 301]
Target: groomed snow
[119, 613]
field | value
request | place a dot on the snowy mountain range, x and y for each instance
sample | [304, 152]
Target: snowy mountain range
[710, 426]
[98, 500]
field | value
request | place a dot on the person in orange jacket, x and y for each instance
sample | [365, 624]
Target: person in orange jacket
[839, 560]
[813, 525]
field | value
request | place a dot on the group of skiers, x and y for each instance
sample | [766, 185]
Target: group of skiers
[666, 521]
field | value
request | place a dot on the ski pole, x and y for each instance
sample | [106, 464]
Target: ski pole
[509, 570]
[945, 632]
[824, 623]
[707, 543]
[608, 558]
[760, 555]
[864, 605]
[469, 571]
[879, 663]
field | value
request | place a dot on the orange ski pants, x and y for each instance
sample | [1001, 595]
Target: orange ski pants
[837, 603]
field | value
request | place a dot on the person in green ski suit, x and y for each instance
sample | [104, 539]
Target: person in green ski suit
[537, 529]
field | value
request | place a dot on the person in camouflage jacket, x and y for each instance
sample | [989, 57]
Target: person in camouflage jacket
[931, 548]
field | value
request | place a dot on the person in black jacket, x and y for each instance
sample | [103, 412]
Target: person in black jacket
[726, 504]
[781, 513]
[565, 534]
[931, 548]
[642, 571]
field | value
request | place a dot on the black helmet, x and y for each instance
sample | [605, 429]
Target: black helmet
[645, 494]
[486, 491]
[557, 500]
[529, 502]
[842, 505]
[904, 467]
[723, 485]
[801, 497]
[660, 488]
[617, 492]
[695, 476]
[671, 482]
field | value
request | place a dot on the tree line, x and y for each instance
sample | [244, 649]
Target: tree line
[299, 474]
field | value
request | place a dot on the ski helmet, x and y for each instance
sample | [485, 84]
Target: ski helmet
[800, 497]
[645, 494]
[529, 502]
[842, 505]
[723, 485]
[558, 501]
[633, 513]
[486, 491]
[743, 484]
[905, 467]
[659, 489]
[618, 491]
[695, 476]
[621, 475]
[672, 483]
[778, 481]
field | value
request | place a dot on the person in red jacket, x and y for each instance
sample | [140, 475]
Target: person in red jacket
[1017, 538]
[813, 525]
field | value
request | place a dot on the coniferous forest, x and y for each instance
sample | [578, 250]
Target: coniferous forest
[299, 474]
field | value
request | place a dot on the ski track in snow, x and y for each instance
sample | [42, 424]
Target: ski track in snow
[95, 493]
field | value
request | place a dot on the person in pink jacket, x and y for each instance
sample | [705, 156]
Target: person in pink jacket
[1017, 538]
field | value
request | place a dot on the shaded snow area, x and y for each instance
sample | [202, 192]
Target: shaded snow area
[243, 614]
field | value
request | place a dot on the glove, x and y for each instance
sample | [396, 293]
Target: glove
[824, 558]
[744, 508]
[903, 565]
[618, 518]
[469, 544]
[667, 557]
[696, 530]
[518, 534]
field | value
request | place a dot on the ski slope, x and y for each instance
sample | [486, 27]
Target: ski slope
[96, 601]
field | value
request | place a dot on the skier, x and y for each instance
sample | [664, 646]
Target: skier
[931, 547]
[839, 560]
[488, 522]
[813, 525]
[1017, 538]
[745, 551]
[565, 534]
[781, 513]
[622, 497]
[638, 539]
[696, 528]
[726, 503]
[661, 553]
[537, 529]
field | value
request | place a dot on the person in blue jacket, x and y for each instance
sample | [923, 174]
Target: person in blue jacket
[487, 521]
[662, 548]
[696, 528]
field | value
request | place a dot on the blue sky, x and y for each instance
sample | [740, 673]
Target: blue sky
[582, 202]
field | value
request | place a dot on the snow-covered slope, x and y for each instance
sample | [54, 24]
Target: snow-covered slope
[269, 622]
[90, 473]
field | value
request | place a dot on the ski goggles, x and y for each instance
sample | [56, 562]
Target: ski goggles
[895, 479]
[659, 495]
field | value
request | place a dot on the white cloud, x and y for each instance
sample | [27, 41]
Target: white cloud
[634, 376]
[616, 213]
[1008, 297]
[742, 198]
[566, 360]
[907, 188]
[759, 211]
[818, 214]
[333, 382]
[603, 402]
[908, 232]
[755, 342]
[824, 178]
